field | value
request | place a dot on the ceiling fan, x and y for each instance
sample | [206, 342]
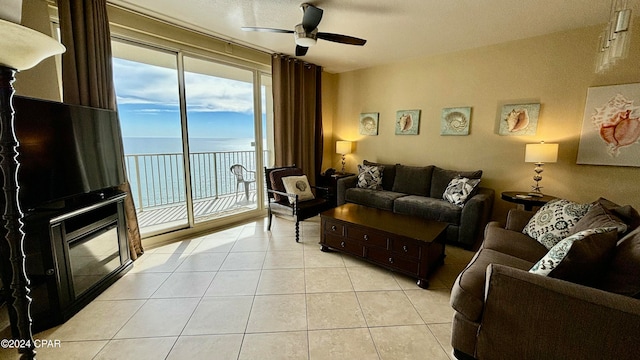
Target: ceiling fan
[306, 33]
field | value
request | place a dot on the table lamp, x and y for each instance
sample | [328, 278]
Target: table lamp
[540, 154]
[343, 147]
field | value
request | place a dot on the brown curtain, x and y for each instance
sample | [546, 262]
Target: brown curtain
[87, 75]
[297, 114]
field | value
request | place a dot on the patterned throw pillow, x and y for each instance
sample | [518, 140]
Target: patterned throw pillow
[554, 221]
[298, 185]
[370, 177]
[459, 190]
[581, 257]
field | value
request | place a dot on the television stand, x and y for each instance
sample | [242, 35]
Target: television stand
[73, 255]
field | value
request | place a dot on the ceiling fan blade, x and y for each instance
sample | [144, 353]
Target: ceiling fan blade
[311, 17]
[339, 38]
[301, 50]
[261, 29]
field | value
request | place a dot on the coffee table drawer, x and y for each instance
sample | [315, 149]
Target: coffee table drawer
[333, 227]
[409, 248]
[394, 261]
[367, 237]
[344, 245]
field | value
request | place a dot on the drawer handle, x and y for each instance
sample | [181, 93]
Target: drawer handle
[333, 228]
[391, 260]
[342, 244]
[366, 237]
[405, 248]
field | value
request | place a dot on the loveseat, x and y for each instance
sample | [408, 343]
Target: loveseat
[418, 190]
[584, 305]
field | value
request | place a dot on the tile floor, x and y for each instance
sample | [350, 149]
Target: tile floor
[245, 293]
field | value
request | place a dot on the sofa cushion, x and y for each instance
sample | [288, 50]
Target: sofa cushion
[413, 180]
[623, 274]
[512, 243]
[388, 176]
[554, 220]
[275, 176]
[370, 177]
[599, 217]
[441, 178]
[428, 208]
[460, 190]
[298, 185]
[580, 258]
[467, 295]
[380, 199]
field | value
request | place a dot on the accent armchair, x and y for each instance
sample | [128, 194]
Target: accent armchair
[288, 203]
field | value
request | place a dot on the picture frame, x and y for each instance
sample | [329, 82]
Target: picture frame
[368, 124]
[519, 119]
[610, 131]
[455, 121]
[407, 122]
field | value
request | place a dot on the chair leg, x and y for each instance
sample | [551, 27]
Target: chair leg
[297, 231]
[246, 191]
[269, 221]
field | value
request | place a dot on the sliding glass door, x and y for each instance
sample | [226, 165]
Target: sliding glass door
[195, 134]
[146, 82]
[222, 138]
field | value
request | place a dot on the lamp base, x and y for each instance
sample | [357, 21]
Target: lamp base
[536, 194]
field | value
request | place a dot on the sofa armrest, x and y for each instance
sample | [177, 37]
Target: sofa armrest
[475, 216]
[517, 219]
[342, 185]
[528, 316]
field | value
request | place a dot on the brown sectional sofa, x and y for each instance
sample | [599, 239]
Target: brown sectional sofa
[418, 190]
[502, 311]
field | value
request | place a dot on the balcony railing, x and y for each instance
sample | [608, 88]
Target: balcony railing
[159, 179]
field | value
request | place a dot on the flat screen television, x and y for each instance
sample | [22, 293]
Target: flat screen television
[65, 151]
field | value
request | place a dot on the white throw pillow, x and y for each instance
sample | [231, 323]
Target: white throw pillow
[459, 190]
[370, 177]
[554, 221]
[298, 185]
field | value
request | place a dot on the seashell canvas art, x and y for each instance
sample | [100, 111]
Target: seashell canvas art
[369, 123]
[611, 126]
[520, 119]
[455, 121]
[407, 122]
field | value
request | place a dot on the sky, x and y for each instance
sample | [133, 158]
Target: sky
[148, 103]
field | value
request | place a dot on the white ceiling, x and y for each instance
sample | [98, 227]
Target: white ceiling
[394, 29]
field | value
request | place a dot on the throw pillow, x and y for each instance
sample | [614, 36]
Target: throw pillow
[389, 173]
[298, 185]
[459, 190]
[370, 177]
[598, 217]
[580, 258]
[554, 221]
[441, 178]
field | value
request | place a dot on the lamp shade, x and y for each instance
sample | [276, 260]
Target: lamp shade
[23, 48]
[343, 147]
[541, 153]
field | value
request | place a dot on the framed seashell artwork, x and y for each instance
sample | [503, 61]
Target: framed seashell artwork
[520, 119]
[611, 126]
[369, 123]
[455, 121]
[407, 122]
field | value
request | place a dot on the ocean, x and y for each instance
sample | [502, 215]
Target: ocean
[156, 173]
[173, 145]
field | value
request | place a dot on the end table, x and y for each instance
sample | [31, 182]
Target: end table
[528, 201]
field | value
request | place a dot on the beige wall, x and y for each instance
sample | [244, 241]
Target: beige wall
[554, 70]
[40, 81]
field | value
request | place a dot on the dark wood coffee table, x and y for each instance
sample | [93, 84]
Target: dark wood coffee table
[402, 243]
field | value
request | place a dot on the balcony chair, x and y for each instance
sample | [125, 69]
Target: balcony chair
[289, 204]
[244, 177]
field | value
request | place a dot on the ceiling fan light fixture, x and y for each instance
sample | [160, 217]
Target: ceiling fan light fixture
[304, 38]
